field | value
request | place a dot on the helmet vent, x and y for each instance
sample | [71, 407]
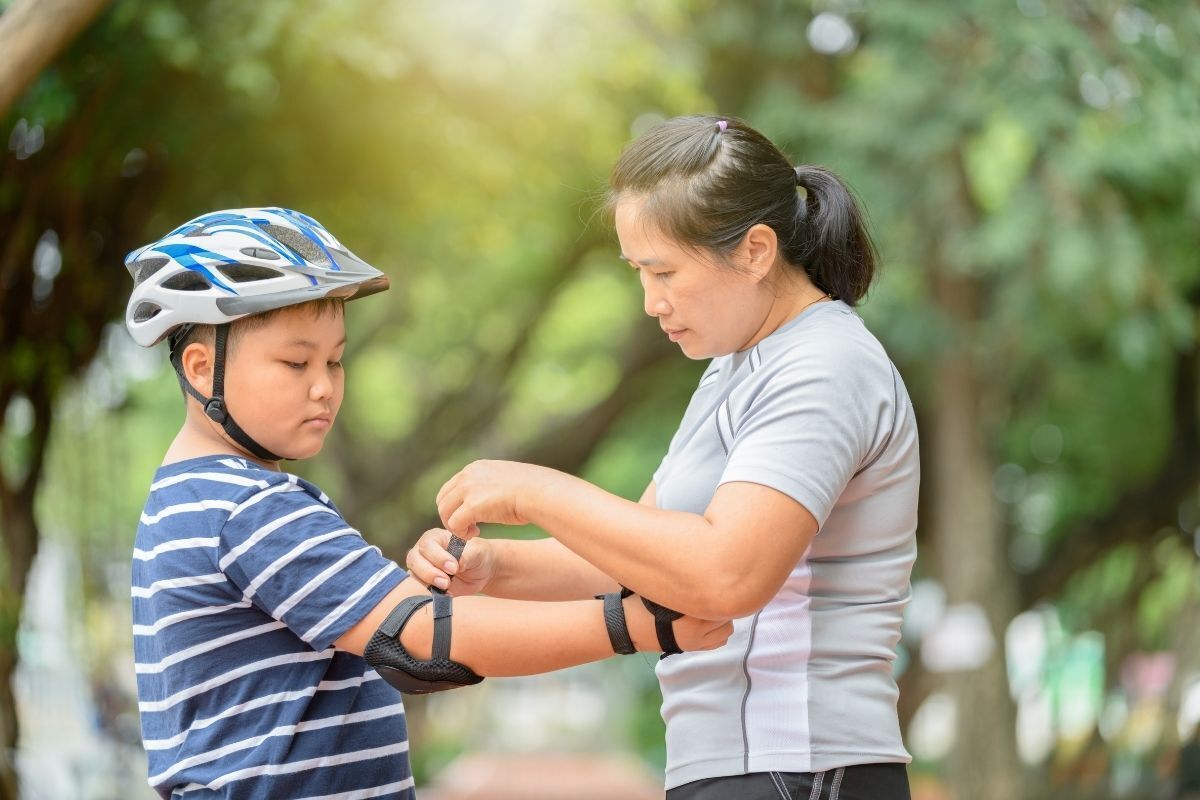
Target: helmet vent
[187, 281]
[261, 252]
[147, 267]
[244, 273]
[298, 242]
[146, 311]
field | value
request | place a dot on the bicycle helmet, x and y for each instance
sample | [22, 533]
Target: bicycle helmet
[229, 264]
[226, 265]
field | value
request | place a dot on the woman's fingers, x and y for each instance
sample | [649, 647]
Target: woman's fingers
[447, 504]
[446, 488]
[461, 523]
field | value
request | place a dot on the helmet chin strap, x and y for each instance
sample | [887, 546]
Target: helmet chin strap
[214, 407]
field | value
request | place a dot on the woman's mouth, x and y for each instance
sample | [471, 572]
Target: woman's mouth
[675, 334]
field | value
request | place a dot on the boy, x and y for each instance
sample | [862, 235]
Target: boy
[253, 599]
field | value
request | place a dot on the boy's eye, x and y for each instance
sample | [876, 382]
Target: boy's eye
[335, 364]
[664, 275]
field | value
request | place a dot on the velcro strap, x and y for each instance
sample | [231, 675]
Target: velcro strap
[443, 609]
[456, 548]
[663, 619]
[614, 623]
[400, 614]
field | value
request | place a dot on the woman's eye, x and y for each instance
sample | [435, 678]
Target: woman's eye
[295, 364]
[335, 364]
[664, 275]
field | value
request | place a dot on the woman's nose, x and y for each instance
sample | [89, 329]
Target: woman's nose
[655, 304]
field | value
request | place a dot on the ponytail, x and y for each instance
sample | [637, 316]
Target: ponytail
[707, 180]
[831, 240]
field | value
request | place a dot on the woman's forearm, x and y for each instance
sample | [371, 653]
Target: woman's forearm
[673, 557]
[543, 570]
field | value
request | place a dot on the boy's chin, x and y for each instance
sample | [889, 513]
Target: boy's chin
[295, 453]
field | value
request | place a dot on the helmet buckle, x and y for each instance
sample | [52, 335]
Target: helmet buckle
[214, 409]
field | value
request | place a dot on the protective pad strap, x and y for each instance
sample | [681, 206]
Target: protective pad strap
[443, 609]
[663, 626]
[615, 624]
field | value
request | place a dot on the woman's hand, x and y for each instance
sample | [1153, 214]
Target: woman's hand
[691, 633]
[488, 491]
[430, 562]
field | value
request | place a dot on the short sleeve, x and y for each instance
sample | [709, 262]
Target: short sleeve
[296, 558]
[803, 434]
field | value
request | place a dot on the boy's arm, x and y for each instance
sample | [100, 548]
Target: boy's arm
[500, 638]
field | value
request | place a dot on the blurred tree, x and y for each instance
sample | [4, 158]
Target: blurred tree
[32, 33]
[64, 209]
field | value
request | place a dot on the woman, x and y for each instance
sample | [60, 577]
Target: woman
[787, 498]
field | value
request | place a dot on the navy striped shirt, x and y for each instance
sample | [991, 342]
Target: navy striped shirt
[242, 580]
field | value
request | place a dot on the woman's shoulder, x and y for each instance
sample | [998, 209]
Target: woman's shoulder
[832, 340]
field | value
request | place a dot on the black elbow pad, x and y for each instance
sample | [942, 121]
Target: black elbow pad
[410, 675]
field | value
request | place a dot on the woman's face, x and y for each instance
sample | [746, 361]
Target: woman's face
[707, 309]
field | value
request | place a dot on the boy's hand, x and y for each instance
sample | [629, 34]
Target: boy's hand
[488, 491]
[691, 633]
[430, 562]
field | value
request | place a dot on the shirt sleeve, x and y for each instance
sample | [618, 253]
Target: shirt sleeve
[803, 435]
[298, 560]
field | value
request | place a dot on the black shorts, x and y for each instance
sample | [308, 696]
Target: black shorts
[858, 782]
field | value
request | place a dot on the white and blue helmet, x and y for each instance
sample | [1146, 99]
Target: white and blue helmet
[228, 264]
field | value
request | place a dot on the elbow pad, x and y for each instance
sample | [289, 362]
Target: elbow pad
[410, 675]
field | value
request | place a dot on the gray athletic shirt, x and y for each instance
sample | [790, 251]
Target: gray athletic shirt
[817, 411]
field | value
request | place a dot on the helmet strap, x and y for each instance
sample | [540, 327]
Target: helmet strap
[214, 407]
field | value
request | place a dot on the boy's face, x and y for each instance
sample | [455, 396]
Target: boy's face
[284, 381]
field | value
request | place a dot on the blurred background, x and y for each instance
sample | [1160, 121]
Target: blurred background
[1031, 171]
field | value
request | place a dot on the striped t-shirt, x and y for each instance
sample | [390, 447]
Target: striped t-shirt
[242, 580]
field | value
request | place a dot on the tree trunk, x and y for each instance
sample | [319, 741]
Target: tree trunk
[970, 544]
[32, 33]
[19, 534]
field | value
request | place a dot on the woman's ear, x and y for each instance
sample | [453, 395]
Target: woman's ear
[759, 247]
[197, 361]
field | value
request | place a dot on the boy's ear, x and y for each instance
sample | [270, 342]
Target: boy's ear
[197, 361]
[758, 250]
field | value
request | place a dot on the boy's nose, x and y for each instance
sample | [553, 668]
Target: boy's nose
[321, 388]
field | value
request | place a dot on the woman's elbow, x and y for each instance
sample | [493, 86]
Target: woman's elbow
[723, 598]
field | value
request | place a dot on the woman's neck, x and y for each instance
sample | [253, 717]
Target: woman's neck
[786, 307]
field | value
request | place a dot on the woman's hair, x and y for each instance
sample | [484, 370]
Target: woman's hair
[706, 180]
